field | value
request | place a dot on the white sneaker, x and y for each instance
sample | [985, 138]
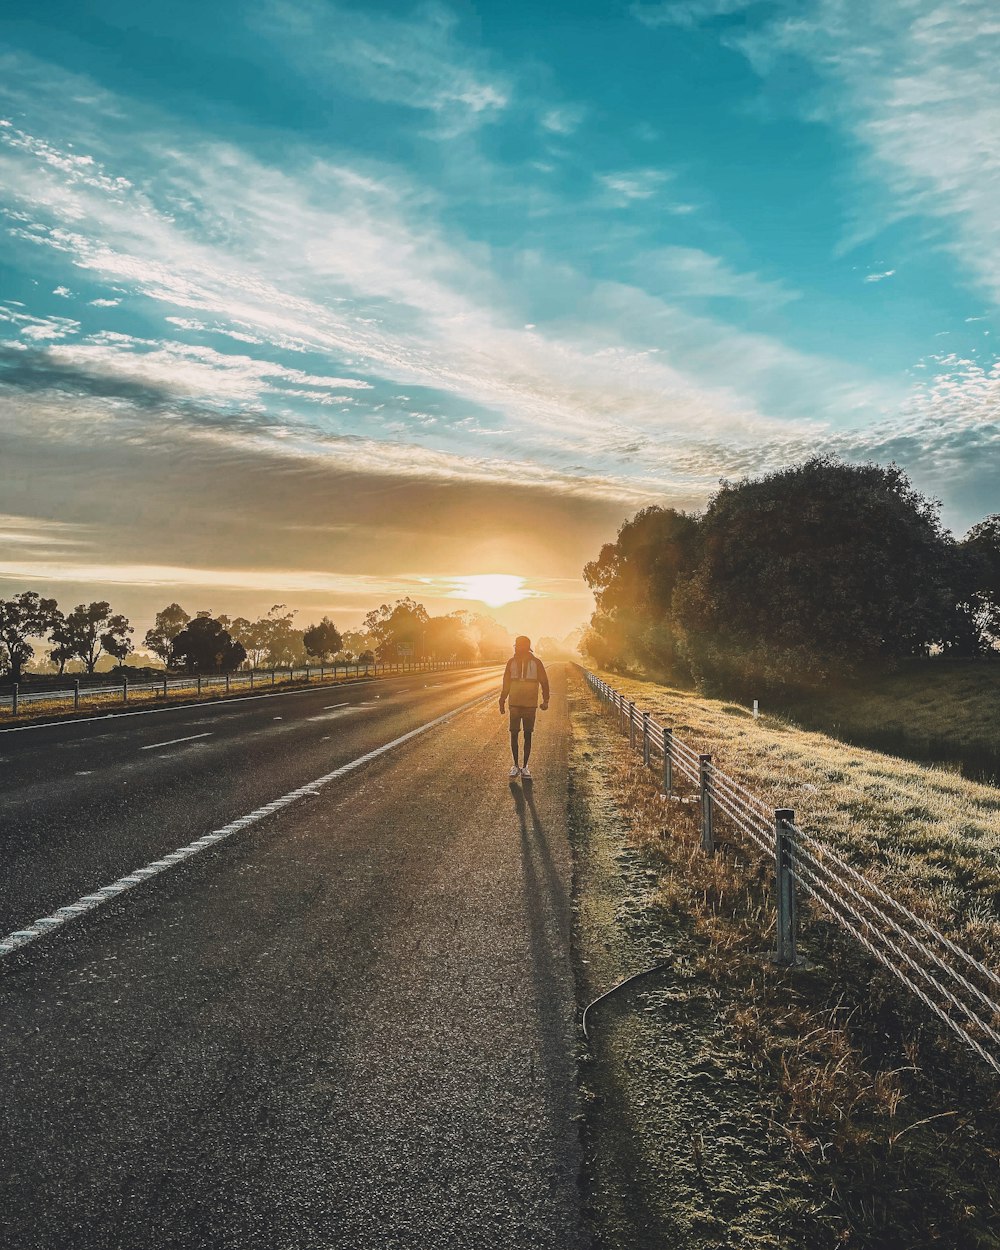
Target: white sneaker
[514, 772]
[526, 773]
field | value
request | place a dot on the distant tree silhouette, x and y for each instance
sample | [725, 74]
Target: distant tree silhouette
[397, 630]
[167, 625]
[322, 641]
[92, 630]
[204, 646]
[22, 618]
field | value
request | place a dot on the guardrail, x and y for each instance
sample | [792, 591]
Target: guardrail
[955, 986]
[252, 679]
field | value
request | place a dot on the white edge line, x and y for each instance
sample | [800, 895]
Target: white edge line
[87, 902]
[236, 698]
[173, 741]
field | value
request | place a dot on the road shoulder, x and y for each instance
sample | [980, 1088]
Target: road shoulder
[679, 1148]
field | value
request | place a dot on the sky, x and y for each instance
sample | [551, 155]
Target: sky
[323, 304]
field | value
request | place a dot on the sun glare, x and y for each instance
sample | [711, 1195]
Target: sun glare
[493, 589]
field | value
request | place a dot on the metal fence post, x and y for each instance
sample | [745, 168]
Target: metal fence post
[199, 683]
[124, 689]
[272, 676]
[631, 722]
[13, 699]
[668, 762]
[784, 887]
[164, 685]
[76, 694]
[251, 678]
[227, 683]
[645, 738]
[707, 833]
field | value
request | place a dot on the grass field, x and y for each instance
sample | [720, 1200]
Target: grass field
[895, 1125]
[942, 710]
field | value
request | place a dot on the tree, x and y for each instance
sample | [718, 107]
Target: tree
[24, 617]
[815, 571]
[204, 646]
[91, 630]
[450, 637]
[322, 641]
[633, 580]
[355, 642]
[167, 625]
[981, 551]
[397, 631]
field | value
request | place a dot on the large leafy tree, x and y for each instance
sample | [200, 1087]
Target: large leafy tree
[204, 645]
[323, 640]
[450, 637]
[398, 630]
[981, 551]
[167, 625]
[633, 580]
[92, 630]
[22, 618]
[814, 571]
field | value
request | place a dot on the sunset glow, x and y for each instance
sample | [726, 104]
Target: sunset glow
[493, 589]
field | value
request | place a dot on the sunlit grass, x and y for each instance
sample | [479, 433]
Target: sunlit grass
[928, 833]
[894, 1120]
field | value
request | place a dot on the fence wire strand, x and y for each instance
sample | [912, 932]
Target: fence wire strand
[842, 891]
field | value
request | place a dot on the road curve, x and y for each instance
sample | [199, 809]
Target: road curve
[350, 1026]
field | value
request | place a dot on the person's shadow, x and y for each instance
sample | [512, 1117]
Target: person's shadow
[548, 915]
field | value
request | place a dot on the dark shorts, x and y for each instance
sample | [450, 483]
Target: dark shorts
[522, 716]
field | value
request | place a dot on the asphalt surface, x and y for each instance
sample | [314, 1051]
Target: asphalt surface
[350, 1025]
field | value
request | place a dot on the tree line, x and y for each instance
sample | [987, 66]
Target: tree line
[208, 642]
[819, 571]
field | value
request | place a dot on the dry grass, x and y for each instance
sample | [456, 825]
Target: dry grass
[929, 835]
[892, 1119]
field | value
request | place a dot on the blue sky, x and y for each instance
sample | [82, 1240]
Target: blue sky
[338, 300]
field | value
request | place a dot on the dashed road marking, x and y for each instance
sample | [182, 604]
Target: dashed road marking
[173, 741]
[46, 924]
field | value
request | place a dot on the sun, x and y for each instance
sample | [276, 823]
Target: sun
[493, 589]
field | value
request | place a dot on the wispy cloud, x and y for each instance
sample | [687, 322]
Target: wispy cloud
[917, 88]
[419, 63]
[689, 271]
[880, 277]
[689, 13]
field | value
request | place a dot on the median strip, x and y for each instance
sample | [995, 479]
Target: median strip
[62, 915]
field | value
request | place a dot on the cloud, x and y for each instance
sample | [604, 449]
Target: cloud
[916, 87]
[564, 119]
[689, 13]
[879, 277]
[635, 184]
[419, 63]
[689, 271]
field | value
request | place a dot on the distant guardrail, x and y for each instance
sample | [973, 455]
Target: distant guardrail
[956, 987]
[252, 679]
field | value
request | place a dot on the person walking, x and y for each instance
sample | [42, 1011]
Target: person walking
[523, 679]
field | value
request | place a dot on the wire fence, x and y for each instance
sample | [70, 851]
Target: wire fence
[960, 991]
[18, 699]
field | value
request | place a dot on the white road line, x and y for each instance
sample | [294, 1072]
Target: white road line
[190, 738]
[333, 705]
[87, 902]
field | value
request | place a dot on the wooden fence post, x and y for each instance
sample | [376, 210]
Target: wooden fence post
[707, 832]
[787, 925]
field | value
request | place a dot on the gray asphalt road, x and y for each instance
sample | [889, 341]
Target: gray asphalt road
[85, 801]
[350, 1026]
